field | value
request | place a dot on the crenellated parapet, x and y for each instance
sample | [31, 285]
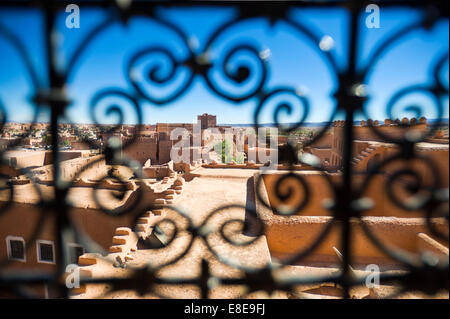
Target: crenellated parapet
[389, 122]
[339, 123]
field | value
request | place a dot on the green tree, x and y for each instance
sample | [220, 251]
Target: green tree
[47, 140]
[65, 143]
[239, 158]
[224, 150]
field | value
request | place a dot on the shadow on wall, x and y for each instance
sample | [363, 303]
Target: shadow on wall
[287, 235]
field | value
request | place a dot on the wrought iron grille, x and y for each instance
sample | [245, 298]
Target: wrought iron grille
[348, 202]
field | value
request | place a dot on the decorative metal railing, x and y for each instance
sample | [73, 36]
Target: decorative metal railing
[348, 202]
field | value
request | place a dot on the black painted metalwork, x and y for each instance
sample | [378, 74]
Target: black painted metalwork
[348, 202]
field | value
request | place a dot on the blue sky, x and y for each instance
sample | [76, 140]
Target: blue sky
[294, 62]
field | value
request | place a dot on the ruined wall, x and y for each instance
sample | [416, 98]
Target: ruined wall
[64, 156]
[285, 237]
[325, 141]
[164, 151]
[143, 149]
[359, 146]
[100, 226]
[364, 132]
[207, 120]
[440, 158]
[169, 127]
[320, 189]
[293, 234]
[324, 154]
[261, 154]
[22, 219]
[155, 172]
[39, 158]
[79, 146]
[70, 168]
[337, 145]
[27, 159]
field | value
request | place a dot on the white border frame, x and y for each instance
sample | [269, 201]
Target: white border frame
[8, 248]
[38, 250]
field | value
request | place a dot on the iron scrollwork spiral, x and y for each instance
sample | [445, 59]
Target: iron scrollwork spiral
[236, 74]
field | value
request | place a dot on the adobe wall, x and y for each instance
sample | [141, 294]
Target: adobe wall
[69, 168]
[169, 127]
[194, 153]
[104, 184]
[64, 156]
[9, 171]
[79, 146]
[440, 158]
[359, 146]
[285, 237]
[371, 155]
[288, 235]
[155, 172]
[254, 153]
[252, 165]
[364, 132]
[207, 120]
[389, 128]
[27, 159]
[325, 141]
[143, 149]
[324, 154]
[99, 225]
[20, 220]
[337, 145]
[39, 158]
[320, 189]
[164, 151]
